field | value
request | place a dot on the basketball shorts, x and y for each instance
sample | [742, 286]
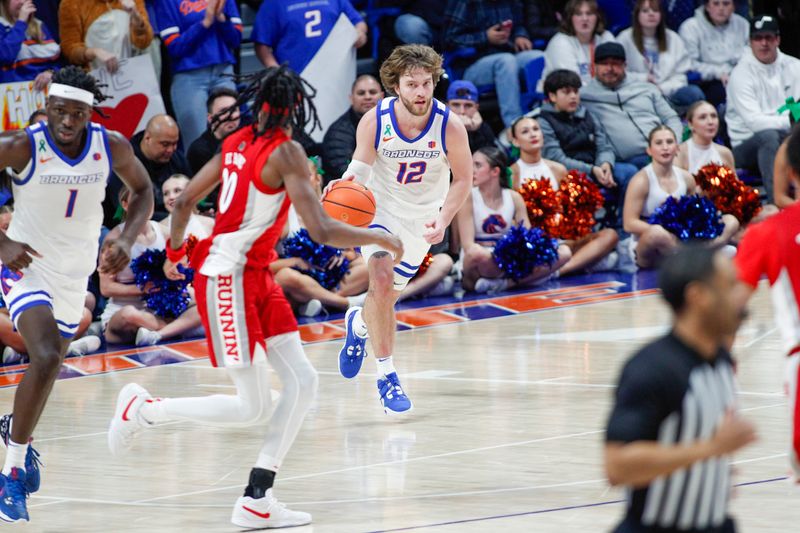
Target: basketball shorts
[34, 286]
[414, 245]
[240, 310]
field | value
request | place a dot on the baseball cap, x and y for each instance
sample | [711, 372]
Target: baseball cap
[764, 24]
[609, 51]
[462, 90]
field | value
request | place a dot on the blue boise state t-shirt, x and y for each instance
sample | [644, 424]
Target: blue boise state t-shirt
[297, 29]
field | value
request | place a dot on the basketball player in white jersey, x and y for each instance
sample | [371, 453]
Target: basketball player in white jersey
[405, 150]
[50, 249]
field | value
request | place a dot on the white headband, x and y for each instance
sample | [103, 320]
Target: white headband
[71, 93]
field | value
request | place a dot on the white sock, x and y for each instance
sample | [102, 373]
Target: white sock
[15, 457]
[359, 326]
[385, 366]
[153, 411]
[356, 300]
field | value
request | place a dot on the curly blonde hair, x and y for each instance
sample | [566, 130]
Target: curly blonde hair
[406, 58]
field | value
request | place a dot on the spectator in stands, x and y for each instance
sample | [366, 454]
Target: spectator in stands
[715, 38]
[292, 31]
[573, 47]
[462, 99]
[759, 86]
[657, 55]
[700, 149]
[542, 18]
[788, 14]
[201, 40]
[627, 108]
[157, 148]
[205, 146]
[572, 135]
[98, 33]
[420, 23]
[27, 48]
[497, 32]
[39, 115]
[340, 139]
[200, 226]
[126, 318]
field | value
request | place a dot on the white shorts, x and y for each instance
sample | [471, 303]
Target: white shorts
[34, 286]
[414, 245]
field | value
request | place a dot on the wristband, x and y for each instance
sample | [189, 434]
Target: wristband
[175, 255]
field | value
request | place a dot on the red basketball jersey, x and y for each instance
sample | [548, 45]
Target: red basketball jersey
[250, 215]
[772, 247]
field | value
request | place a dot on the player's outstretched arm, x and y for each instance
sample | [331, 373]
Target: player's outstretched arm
[364, 155]
[115, 254]
[460, 159]
[288, 163]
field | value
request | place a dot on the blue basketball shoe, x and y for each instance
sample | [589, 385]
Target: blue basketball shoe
[354, 350]
[393, 399]
[33, 476]
[13, 507]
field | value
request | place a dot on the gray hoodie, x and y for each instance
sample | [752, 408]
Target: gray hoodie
[628, 113]
[714, 50]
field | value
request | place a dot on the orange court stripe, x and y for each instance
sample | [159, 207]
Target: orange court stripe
[321, 331]
[197, 349]
[10, 379]
[97, 364]
[422, 318]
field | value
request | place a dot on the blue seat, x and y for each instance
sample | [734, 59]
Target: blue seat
[618, 14]
[457, 73]
[373, 15]
[532, 74]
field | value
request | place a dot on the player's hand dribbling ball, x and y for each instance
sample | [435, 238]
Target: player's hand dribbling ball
[350, 202]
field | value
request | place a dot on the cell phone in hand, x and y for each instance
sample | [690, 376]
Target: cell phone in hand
[506, 24]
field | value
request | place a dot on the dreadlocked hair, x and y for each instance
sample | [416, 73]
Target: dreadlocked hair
[77, 77]
[279, 92]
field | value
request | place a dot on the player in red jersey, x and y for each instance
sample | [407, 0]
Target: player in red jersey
[244, 311]
[772, 248]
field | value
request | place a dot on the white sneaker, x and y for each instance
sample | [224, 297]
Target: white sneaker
[487, 285]
[11, 356]
[729, 251]
[127, 422]
[266, 512]
[84, 345]
[147, 337]
[609, 262]
[443, 287]
[311, 308]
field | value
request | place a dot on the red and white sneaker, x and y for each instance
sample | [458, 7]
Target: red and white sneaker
[266, 513]
[127, 422]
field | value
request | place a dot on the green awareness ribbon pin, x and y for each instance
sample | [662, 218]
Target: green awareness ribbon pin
[42, 146]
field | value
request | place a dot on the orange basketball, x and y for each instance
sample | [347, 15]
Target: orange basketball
[351, 203]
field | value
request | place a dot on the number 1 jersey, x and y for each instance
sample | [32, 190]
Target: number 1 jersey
[58, 201]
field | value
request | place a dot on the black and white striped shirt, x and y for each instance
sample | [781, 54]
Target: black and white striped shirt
[668, 393]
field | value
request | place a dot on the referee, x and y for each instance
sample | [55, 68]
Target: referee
[673, 424]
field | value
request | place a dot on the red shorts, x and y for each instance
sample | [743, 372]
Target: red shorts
[240, 311]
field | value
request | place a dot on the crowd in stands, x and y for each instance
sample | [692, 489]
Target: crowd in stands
[638, 99]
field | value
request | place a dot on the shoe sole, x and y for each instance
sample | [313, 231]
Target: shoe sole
[397, 414]
[348, 326]
[260, 525]
[123, 399]
[6, 518]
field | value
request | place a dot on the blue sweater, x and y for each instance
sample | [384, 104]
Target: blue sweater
[22, 59]
[192, 46]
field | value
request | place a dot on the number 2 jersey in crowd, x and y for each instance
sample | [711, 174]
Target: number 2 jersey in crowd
[58, 201]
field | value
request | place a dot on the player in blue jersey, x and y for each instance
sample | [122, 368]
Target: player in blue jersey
[293, 31]
[50, 249]
[406, 148]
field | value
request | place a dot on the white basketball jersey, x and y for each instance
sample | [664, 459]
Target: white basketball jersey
[57, 201]
[410, 177]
